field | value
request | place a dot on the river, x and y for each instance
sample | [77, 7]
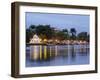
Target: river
[56, 55]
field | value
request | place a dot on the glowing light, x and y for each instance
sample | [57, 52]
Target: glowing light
[40, 52]
[45, 52]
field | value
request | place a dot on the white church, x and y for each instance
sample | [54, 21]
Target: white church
[35, 39]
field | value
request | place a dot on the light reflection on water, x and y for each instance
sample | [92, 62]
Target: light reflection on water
[56, 55]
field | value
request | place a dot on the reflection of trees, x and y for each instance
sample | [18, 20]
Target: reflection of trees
[73, 37]
[63, 51]
[72, 53]
[34, 53]
[41, 52]
[45, 53]
[84, 49]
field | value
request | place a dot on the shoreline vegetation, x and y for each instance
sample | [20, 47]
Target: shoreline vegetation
[52, 36]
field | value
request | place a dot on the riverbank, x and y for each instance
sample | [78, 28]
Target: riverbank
[62, 43]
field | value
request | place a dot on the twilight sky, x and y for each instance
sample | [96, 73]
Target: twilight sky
[60, 21]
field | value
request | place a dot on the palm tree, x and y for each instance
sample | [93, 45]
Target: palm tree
[73, 33]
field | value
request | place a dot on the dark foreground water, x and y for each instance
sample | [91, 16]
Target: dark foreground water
[56, 55]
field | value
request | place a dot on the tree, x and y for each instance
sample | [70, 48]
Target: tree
[48, 32]
[88, 38]
[33, 29]
[45, 30]
[60, 35]
[65, 31]
[29, 35]
[30, 32]
[73, 33]
[83, 36]
[66, 34]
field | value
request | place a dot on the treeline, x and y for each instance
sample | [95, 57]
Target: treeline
[48, 32]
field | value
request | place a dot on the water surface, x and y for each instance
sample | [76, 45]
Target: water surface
[56, 55]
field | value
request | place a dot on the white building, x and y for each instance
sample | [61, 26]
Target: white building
[35, 39]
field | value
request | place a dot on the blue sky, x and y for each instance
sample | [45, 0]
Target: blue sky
[59, 21]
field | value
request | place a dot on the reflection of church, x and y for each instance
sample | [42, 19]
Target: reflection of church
[35, 39]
